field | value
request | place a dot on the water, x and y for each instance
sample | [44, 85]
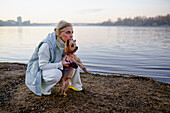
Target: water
[143, 51]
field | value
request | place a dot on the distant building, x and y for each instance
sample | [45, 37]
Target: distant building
[19, 20]
[11, 22]
[26, 23]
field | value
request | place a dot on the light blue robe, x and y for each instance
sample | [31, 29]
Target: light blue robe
[33, 78]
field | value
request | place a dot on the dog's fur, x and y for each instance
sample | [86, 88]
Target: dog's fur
[70, 49]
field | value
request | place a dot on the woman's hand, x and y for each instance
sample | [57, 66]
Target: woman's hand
[66, 64]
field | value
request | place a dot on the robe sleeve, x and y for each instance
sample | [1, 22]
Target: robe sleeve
[44, 58]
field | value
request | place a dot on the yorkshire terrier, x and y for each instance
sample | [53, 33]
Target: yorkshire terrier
[70, 49]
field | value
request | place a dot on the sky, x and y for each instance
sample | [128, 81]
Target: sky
[80, 11]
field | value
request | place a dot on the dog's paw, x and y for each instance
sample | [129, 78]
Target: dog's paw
[85, 70]
[65, 94]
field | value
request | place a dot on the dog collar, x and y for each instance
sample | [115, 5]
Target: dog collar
[69, 53]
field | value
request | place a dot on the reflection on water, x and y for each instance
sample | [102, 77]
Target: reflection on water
[134, 50]
[20, 32]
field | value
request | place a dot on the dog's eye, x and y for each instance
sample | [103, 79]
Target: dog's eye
[68, 32]
[72, 45]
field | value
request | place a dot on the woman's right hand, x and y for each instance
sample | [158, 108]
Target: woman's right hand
[66, 64]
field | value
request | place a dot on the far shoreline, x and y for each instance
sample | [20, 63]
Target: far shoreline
[91, 26]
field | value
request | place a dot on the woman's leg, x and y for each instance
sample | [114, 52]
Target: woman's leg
[75, 80]
[50, 78]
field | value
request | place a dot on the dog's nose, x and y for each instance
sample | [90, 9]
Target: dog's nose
[76, 47]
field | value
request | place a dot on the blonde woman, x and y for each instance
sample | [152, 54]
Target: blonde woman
[45, 65]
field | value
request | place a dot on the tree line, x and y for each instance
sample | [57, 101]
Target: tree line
[140, 21]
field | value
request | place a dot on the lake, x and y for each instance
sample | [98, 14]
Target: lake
[143, 51]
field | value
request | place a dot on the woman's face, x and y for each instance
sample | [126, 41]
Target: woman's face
[66, 33]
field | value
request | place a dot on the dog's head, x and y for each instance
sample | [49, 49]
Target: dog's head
[70, 46]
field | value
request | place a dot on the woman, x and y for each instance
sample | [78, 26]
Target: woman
[45, 65]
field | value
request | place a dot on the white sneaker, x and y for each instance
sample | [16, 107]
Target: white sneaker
[47, 93]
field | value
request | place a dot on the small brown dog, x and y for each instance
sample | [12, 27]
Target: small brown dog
[70, 49]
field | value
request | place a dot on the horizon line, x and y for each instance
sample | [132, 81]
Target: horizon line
[85, 22]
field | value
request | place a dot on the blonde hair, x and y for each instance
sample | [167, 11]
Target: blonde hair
[61, 25]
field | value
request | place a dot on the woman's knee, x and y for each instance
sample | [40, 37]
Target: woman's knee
[52, 76]
[58, 75]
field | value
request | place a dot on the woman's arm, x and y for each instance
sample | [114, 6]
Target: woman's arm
[44, 58]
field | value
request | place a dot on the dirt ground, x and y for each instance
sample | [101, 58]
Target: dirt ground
[112, 94]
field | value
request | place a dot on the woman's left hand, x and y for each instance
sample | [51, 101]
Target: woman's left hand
[66, 64]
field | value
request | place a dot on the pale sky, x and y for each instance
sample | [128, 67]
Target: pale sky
[80, 11]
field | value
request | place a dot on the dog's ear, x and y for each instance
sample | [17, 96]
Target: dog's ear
[66, 47]
[67, 43]
[74, 40]
[65, 50]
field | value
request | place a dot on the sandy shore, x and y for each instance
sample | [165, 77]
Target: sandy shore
[113, 93]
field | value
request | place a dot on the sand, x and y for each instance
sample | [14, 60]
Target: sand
[111, 93]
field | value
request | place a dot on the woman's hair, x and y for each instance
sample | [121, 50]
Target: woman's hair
[61, 25]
